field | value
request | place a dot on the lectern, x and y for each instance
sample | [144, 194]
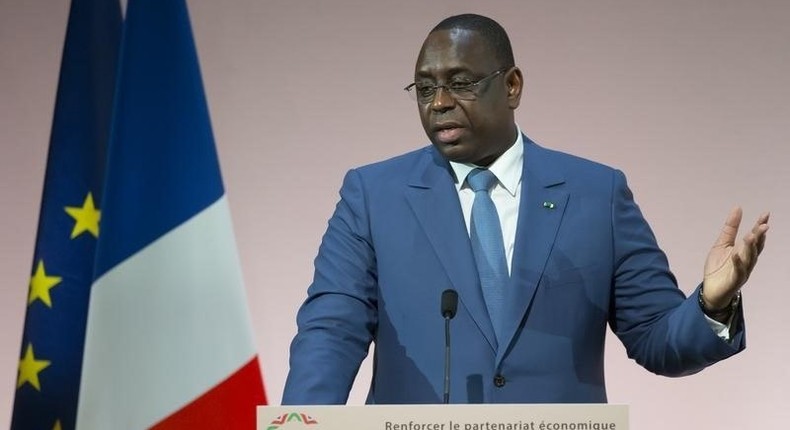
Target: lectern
[445, 417]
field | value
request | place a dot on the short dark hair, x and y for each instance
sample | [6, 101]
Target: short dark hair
[492, 32]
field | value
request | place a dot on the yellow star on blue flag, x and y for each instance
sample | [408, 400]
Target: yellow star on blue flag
[86, 218]
[40, 284]
[29, 368]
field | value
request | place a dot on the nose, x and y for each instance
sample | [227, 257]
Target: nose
[442, 100]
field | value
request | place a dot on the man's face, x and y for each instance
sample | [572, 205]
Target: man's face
[467, 131]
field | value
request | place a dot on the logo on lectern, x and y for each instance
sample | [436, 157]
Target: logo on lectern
[292, 417]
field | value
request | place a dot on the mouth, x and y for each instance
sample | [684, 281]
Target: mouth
[447, 132]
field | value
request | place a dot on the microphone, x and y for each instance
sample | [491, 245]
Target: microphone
[449, 307]
[449, 304]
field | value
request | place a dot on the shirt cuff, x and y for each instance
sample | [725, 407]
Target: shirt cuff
[722, 330]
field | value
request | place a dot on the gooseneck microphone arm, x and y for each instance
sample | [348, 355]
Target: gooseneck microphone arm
[449, 307]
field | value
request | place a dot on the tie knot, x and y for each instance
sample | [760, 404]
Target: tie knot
[481, 180]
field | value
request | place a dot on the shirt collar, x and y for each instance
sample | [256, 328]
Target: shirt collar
[507, 168]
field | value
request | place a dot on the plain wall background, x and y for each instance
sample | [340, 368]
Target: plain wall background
[690, 99]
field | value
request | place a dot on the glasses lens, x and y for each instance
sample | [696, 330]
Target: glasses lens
[462, 90]
[425, 93]
[420, 93]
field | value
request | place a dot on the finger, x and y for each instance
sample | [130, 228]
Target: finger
[748, 252]
[762, 222]
[760, 227]
[730, 229]
[760, 235]
[740, 269]
[763, 219]
[759, 230]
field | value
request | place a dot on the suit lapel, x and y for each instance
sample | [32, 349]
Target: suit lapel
[432, 196]
[542, 205]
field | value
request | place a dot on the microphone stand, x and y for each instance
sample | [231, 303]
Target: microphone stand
[449, 306]
[447, 359]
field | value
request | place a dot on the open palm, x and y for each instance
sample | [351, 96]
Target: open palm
[728, 265]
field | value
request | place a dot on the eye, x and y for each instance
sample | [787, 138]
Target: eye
[460, 85]
[425, 90]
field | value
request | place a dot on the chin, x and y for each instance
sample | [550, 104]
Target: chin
[452, 151]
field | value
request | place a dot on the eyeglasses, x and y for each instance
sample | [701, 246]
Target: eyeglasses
[460, 89]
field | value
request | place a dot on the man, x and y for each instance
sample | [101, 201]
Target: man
[542, 257]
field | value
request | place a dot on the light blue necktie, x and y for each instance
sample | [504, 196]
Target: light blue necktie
[488, 245]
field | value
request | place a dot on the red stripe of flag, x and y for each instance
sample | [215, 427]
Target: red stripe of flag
[231, 404]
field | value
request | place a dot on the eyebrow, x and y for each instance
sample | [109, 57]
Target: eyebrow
[449, 72]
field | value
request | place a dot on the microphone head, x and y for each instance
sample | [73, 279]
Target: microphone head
[449, 303]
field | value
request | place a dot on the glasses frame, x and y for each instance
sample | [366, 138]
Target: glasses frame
[471, 87]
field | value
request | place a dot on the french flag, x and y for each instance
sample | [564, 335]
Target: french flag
[168, 341]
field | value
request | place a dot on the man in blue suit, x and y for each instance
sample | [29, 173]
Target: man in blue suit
[571, 254]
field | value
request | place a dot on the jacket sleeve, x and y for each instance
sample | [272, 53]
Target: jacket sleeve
[338, 320]
[662, 330]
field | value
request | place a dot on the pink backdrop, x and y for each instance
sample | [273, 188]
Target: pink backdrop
[690, 99]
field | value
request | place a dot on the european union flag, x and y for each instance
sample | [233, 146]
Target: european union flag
[50, 363]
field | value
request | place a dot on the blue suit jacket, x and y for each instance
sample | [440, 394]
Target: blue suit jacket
[397, 239]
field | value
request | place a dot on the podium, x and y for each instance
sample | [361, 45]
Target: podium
[445, 417]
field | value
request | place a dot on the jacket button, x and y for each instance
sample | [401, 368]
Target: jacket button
[499, 381]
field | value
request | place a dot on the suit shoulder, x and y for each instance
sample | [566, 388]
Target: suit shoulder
[388, 175]
[398, 162]
[578, 173]
[575, 162]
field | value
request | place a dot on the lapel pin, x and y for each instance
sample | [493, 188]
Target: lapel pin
[548, 205]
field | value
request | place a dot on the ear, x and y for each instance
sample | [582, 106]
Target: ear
[514, 82]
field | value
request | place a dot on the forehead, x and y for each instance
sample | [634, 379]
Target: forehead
[446, 52]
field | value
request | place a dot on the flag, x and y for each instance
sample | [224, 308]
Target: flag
[168, 342]
[51, 358]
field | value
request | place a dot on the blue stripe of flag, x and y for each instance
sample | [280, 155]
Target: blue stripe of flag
[162, 165]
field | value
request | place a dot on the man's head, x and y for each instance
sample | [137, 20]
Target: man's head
[468, 122]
